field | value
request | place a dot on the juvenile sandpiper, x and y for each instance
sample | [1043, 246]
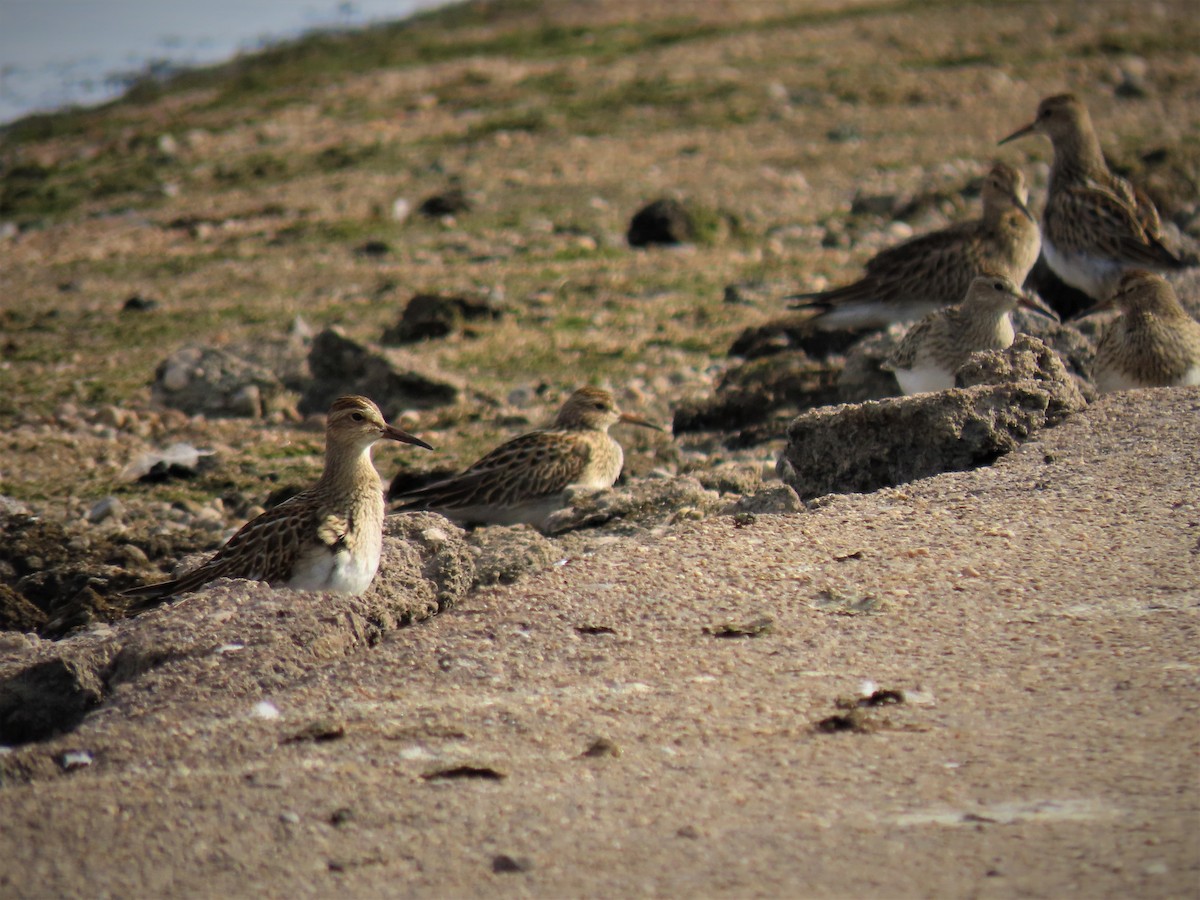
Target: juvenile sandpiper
[523, 480]
[934, 270]
[327, 538]
[1153, 343]
[1096, 225]
[935, 348]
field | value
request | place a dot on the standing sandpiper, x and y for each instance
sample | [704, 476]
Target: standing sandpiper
[1096, 225]
[328, 538]
[934, 270]
[1153, 343]
[937, 346]
[523, 480]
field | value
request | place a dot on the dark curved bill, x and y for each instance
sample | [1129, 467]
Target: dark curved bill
[631, 419]
[395, 434]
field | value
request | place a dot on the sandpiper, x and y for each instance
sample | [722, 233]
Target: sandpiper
[934, 270]
[1096, 225]
[523, 480]
[934, 349]
[1153, 343]
[327, 538]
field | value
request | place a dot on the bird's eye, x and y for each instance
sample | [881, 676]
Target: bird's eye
[998, 285]
[357, 417]
[599, 404]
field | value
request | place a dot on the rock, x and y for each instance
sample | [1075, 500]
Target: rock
[138, 303]
[507, 553]
[373, 249]
[450, 202]
[1027, 360]
[759, 391]
[664, 221]
[179, 460]
[863, 447]
[108, 508]
[179, 647]
[776, 499]
[215, 382]
[643, 503]
[52, 696]
[433, 316]
[792, 332]
[863, 376]
[17, 613]
[401, 209]
[341, 366]
[426, 566]
[730, 478]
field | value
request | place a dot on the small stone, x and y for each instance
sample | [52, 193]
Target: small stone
[373, 248]
[108, 508]
[450, 202]
[664, 221]
[401, 209]
[602, 747]
[75, 759]
[138, 303]
[503, 863]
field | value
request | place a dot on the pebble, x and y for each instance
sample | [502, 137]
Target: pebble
[108, 508]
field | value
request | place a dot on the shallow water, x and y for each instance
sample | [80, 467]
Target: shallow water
[56, 53]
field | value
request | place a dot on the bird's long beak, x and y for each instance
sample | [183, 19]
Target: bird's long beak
[1024, 209]
[392, 433]
[631, 419]
[1037, 305]
[1019, 133]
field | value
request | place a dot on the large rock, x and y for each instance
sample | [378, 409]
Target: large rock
[394, 380]
[215, 382]
[759, 391]
[863, 447]
[233, 638]
[429, 316]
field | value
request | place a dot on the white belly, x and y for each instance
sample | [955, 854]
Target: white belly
[339, 572]
[923, 379]
[1095, 276]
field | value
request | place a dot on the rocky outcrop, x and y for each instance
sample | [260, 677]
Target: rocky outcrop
[429, 316]
[862, 447]
[233, 637]
[215, 382]
[395, 381]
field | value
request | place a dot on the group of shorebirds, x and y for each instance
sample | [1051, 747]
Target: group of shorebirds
[1098, 233]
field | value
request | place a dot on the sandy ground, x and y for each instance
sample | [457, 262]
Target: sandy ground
[1037, 617]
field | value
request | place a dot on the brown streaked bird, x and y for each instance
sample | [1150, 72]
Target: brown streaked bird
[1153, 343]
[936, 347]
[1096, 225]
[934, 270]
[327, 538]
[523, 480]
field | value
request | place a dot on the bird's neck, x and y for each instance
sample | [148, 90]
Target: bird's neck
[347, 469]
[992, 327]
[1078, 157]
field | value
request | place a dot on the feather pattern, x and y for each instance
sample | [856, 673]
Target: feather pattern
[523, 479]
[934, 270]
[328, 537]
[1096, 225]
[1153, 343]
